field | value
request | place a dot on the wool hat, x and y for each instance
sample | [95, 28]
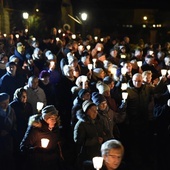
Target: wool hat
[107, 80]
[87, 104]
[66, 69]
[50, 55]
[3, 96]
[80, 79]
[97, 98]
[102, 87]
[19, 44]
[49, 111]
[44, 73]
[82, 92]
[97, 71]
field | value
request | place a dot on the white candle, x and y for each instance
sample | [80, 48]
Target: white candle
[94, 62]
[90, 66]
[40, 106]
[97, 162]
[163, 72]
[123, 71]
[139, 63]
[124, 95]
[44, 142]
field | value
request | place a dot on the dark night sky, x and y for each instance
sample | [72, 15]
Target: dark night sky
[100, 12]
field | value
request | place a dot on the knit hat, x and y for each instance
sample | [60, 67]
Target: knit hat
[66, 69]
[80, 79]
[50, 55]
[97, 98]
[19, 44]
[97, 71]
[102, 87]
[82, 92]
[49, 111]
[86, 105]
[108, 80]
[44, 73]
[3, 96]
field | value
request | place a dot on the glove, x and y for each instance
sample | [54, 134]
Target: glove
[123, 106]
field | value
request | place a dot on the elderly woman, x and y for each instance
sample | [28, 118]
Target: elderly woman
[89, 133]
[44, 125]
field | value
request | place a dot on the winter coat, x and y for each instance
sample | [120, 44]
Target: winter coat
[110, 120]
[34, 96]
[138, 104]
[30, 146]
[22, 111]
[86, 133]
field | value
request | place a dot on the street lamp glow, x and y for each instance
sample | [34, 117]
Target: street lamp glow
[145, 18]
[84, 16]
[25, 15]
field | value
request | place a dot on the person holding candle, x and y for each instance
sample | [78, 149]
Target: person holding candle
[44, 125]
[137, 124]
[110, 118]
[89, 133]
[112, 152]
[112, 157]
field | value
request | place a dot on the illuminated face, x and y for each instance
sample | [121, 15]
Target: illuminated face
[137, 81]
[147, 78]
[51, 121]
[102, 105]
[92, 112]
[113, 159]
[34, 84]
[11, 69]
[111, 85]
[23, 97]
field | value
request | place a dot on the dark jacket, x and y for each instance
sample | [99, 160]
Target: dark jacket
[86, 133]
[36, 156]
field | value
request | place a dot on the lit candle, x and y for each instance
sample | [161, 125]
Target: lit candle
[44, 142]
[57, 38]
[97, 162]
[163, 72]
[122, 56]
[90, 66]
[94, 62]
[40, 106]
[84, 79]
[99, 48]
[88, 47]
[123, 71]
[124, 95]
[168, 87]
[73, 36]
[139, 63]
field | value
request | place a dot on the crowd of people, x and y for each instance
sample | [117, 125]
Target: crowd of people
[81, 84]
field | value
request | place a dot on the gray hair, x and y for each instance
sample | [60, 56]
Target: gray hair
[111, 144]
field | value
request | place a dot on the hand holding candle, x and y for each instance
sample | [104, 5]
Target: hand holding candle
[97, 162]
[44, 142]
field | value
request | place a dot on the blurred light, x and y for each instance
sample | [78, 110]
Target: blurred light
[84, 16]
[145, 18]
[25, 15]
